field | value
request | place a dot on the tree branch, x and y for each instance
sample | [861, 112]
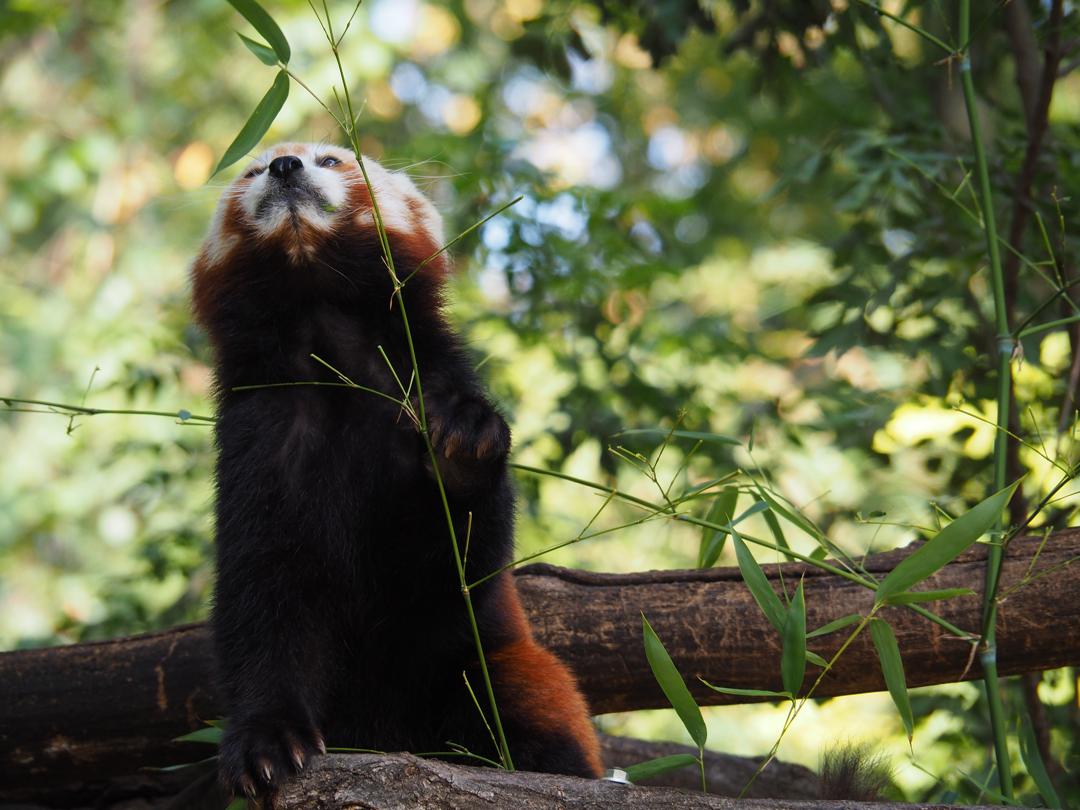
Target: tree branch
[88, 711]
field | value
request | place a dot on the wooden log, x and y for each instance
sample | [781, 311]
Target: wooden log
[91, 710]
[194, 788]
[402, 780]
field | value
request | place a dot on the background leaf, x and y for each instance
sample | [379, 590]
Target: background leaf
[265, 25]
[259, 122]
[1033, 761]
[759, 586]
[834, 625]
[892, 667]
[655, 767]
[946, 545]
[265, 54]
[732, 690]
[211, 735]
[673, 685]
[712, 541]
[793, 657]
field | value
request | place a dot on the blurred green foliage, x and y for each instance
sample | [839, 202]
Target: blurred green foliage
[753, 217]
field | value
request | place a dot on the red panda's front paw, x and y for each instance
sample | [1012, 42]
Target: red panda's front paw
[257, 755]
[469, 429]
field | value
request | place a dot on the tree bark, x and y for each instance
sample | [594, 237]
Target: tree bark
[88, 711]
[401, 780]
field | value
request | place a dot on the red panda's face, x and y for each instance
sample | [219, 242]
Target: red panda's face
[295, 197]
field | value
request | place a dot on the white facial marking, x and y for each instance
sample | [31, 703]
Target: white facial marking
[402, 206]
[330, 184]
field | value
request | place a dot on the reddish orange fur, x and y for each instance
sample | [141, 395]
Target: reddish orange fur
[543, 687]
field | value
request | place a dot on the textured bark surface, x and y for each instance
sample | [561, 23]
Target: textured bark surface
[403, 781]
[725, 774]
[195, 788]
[89, 711]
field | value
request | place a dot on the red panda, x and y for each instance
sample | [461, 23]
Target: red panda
[337, 615]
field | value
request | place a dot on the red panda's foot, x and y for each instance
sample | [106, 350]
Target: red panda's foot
[259, 753]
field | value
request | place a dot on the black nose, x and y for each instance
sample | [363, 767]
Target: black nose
[282, 167]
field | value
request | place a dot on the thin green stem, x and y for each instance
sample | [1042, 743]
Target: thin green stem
[662, 511]
[461, 236]
[1045, 327]
[1005, 345]
[67, 410]
[388, 259]
[909, 26]
[797, 704]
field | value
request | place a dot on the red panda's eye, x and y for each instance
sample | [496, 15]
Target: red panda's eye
[328, 161]
[254, 172]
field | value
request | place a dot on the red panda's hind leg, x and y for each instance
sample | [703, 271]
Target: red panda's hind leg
[543, 713]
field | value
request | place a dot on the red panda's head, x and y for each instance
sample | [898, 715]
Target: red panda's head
[301, 218]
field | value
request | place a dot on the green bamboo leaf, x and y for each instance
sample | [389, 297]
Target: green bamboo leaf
[209, 735]
[793, 657]
[834, 625]
[720, 513]
[264, 53]
[759, 586]
[663, 669]
[911, 597]
[892, 667]
[775, 529]
[794, 518]
[946, 545]
[261, 119]
[753, 509]
[655, 767]
[265, 25]
[816, 659]
[1033, 761]
[731, 690]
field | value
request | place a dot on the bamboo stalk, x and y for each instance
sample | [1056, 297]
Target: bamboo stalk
[1005, 342]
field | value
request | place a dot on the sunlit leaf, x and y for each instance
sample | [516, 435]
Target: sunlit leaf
[674, 687]
[759, 586]
[793, 657]
[946, 545]
[655, 767]
[265, 54]
[892, 667]
[259, 122]
[712, 540]
[265, 25]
